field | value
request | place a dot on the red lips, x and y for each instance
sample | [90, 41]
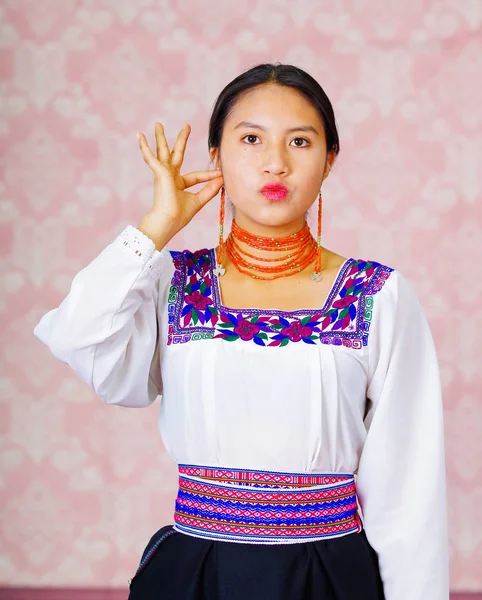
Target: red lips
[274, 191]
[274, 187]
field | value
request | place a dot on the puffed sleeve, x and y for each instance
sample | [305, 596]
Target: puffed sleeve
[106, 328]
[401, 475]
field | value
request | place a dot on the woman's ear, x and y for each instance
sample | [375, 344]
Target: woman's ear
[330, 159]
[214, 153]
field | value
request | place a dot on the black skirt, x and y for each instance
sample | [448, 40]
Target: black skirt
[177, 566]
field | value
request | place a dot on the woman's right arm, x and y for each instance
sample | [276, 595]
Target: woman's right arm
[106, 328]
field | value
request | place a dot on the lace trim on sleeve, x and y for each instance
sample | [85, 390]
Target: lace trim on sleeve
[136, 241]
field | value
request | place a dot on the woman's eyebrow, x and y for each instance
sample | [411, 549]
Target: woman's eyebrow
[306, 128]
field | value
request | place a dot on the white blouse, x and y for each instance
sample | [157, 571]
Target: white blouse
[353, 387]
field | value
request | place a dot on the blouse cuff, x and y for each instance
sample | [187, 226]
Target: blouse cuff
[138, 244]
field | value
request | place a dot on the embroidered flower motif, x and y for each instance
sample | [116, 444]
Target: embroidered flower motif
[344, 302]
[195, 258]
[196, 262]
[246, 330]
[197, 293]
[234, 327]
[296, 331]
[344, 309]
[197, 300]
[305, 329]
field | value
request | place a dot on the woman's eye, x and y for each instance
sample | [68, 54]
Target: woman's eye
[250, 137]
[300, 140]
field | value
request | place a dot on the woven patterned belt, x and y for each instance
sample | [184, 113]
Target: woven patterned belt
[264, 506]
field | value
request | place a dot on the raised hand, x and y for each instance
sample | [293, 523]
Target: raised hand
[173, 206]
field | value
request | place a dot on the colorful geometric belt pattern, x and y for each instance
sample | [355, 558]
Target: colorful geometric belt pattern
[265, 506]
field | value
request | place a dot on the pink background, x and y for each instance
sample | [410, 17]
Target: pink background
[83, 486]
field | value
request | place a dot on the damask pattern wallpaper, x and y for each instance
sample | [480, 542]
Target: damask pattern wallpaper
[83, 486]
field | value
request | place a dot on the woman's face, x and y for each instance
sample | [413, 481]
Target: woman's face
[273, 134]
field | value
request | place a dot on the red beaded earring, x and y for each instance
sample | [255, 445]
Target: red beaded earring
[316, 275]
[219, 270]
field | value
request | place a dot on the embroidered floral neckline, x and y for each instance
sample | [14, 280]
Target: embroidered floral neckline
[196, 311]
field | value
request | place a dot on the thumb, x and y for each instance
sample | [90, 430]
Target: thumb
[209, 191]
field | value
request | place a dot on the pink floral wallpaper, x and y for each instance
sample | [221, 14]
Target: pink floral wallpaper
[83, 485]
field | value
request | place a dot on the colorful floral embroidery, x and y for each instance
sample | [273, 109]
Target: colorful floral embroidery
[196, 311]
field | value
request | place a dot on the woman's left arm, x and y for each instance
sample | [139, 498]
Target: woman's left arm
[401, 476]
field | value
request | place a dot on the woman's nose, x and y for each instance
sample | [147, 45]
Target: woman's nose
[275, 161]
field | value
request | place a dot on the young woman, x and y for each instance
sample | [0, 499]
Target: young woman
[294, 381]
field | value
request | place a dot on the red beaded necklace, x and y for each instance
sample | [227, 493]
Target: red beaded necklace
[301, 248]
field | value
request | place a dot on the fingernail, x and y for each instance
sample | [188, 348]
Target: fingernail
[138, 136]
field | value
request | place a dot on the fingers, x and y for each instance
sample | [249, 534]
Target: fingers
[191, 179]
[164, 158]
[209, 190]
[162, 149]
[177, 154]
[147, 154]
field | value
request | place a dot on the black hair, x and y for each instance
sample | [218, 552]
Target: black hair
[286, 75]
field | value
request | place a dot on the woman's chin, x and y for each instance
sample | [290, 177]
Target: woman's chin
[269, 215]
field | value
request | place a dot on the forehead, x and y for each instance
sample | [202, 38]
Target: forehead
[274, 106]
